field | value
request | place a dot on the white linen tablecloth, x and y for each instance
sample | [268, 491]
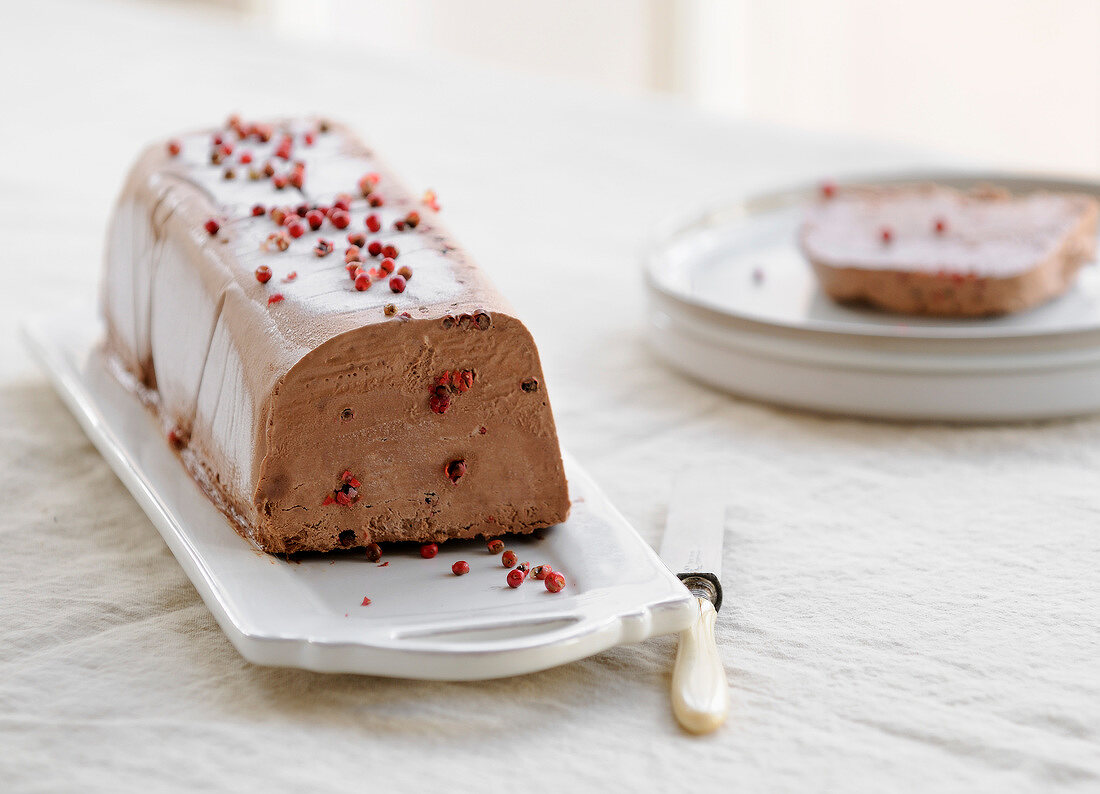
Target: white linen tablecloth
[908, 607]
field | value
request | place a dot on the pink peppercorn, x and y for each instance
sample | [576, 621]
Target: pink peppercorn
[212, 226]
[362, 281]
[258, 210]
[296, 229]
[174, 148]
[429, 550]
[461, 567]
[315, 219]
[887, 234]
[516, 577]
[555, 582]
[390, 251]
[386, 266]
[540, 572]
[405, 272]
[509, 559]
[375, 248]
[358, 239]
[340, 219]
[397, 284]
[263, 274]
[941, 226]
[496, 546]
[373, 223]
[374, 552]
[278, 296]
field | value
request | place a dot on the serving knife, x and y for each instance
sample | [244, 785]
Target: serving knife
[692, 549]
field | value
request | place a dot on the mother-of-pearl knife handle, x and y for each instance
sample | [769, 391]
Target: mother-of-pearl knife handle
[700, 694]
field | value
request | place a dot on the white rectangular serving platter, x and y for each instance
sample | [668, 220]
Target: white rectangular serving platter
[423, 621]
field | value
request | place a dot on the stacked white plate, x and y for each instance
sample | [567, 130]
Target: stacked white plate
[733, 303]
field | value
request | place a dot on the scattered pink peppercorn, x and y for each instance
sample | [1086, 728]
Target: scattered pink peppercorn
[516, 577]
[509, 559]
[828, 189]
[461, 567]
[524, 566]
[405, 272]
[373, 223]
[315, 218]
[342, 203]
[258, 210]
[245, 158]
[216, 139]
[375, 248]
[389, 310]
[455, 470]
[541, 571]
[227, 149]
[176, 439]
[413, 219]
[278, 296]
[374, 552]
[278, 215]
[297, 179]
[941, 226]
[269, 169]
[496, 546]
[376, 200]
[263, 274]
[429, 550]
[397, 284]
[554, 582]
[279, 181]
[353, 269]
[362, 281]
[390, 251]
[887, 234]
[366, 602]
[340, 219]
[212, 226]
[386, 266]
[174, 148]
[323, 247]
[358, 239]
[399, 225]
[439, 403]
[296, 229]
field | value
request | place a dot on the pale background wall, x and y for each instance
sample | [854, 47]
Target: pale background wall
[1008, 82]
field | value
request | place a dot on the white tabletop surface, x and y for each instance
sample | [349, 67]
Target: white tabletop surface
[908, 608]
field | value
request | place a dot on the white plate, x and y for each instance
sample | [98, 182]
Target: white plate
[423, 621]
[734, 304]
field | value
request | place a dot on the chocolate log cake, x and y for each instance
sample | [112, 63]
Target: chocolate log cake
[332, 367]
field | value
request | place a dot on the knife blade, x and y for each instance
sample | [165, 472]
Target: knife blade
[692, 544]
[692, 549]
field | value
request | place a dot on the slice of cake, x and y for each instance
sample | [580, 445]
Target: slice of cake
[925, 249]
[333, 368]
